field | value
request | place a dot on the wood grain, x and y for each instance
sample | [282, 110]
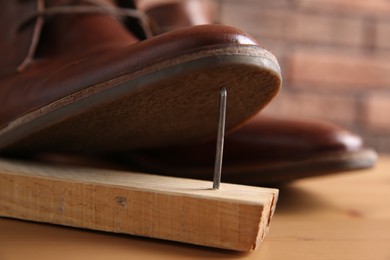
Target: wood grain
[235, 217]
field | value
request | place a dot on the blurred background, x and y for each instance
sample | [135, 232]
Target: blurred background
[334, 55]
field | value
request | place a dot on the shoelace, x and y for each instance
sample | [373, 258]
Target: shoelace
[97, 7]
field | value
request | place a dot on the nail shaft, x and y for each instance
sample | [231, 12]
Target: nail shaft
[220, 138]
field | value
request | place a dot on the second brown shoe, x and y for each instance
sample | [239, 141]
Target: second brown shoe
[265, 151]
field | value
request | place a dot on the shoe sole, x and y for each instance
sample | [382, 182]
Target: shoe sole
[171, 102]
[286, 171]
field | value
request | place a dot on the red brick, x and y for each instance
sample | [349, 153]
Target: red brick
[382, 35]
[373, 7]
[295, 26]
[329, 107]
[262, 4]
[327, 30]
[377, 113]
[254, 20]
[338, 70]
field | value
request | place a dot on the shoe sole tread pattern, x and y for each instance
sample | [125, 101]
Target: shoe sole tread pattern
[169, 102]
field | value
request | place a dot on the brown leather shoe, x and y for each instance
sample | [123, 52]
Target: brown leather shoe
[92, 85]
[264, 151]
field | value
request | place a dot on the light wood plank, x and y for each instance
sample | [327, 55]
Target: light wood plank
[341, 216]
[235, 217]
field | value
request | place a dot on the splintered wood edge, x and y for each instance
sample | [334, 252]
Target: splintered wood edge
[235, 217]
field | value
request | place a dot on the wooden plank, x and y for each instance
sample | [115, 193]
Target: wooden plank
[235, 217]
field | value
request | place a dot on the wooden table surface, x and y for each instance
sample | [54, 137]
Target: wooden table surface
[344, 216]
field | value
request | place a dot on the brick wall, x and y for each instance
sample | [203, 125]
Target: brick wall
[335, 58]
